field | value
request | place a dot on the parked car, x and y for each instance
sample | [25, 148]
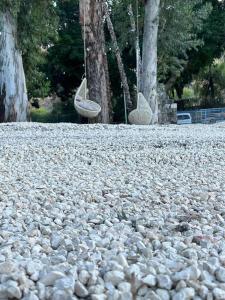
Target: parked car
[184, 118]
[210, 120]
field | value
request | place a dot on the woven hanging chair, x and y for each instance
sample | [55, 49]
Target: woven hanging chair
[86, 108]
[142, 115]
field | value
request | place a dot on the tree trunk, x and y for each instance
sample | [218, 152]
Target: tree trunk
[135, 29]
[122, 72]
[179, 90]
[149, 56]
[91, 11]
[13, 93]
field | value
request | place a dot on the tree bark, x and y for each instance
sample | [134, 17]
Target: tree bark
[13, 93]
[91, 11]
[149, 56]
[120, 64]
[134, 28]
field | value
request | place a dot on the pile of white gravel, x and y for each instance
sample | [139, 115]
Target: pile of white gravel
[112, 212]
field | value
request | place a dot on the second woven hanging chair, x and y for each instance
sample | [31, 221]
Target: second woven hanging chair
[142, 115]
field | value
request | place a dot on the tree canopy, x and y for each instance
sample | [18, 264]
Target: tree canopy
[190, 39]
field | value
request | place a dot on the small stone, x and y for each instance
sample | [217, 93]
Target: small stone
[84, 276]
[220, 274]
[56, 240]
[80, 290]
[141, 246]
[41, 290]
[140, 228]
[163, 294]
[124, 287]
[152, 295]
[32, 268]
[115, 277]
[156, 244]
[14, 292]
[183, 227]
[61, 295]
[164, 282]
[219, 294]
[98, 297]
[68, 245]
[180, 285]
[126, 296]
[121, 259]
[30, 296]
[206, 276]
[50, 278]
[35, 276]
[142, 291]
[7, 267]
[190, 253]
[58, 259]
[149, 280]
[210, 296]
[96, 289]
[66, 283]
[203, 291]
[113, 295]
[190, 273]
[184, 294]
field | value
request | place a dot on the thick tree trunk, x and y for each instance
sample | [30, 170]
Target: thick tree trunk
[13, 94]
[91, 11]
[149, 56]
[122, 72]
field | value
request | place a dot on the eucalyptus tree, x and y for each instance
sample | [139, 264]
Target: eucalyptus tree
[180, 32]
[169, 30]
[212, 47]
[150, 55]
[25, 26]
[92, 22]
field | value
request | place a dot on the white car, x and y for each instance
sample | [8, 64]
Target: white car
[184, 118]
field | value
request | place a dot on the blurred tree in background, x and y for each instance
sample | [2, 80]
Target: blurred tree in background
[191, 37]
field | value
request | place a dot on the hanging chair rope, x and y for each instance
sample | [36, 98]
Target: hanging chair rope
[85, 51]
[137, 48]
[137, 45]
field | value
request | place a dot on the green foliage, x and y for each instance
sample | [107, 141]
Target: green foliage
[40, 115]
[37, 85]
[11, 5]
[209, 84]
[65, 58]
[212, 34]
[191, 36]
[180, 23]
[188, 93]
[62, 112]
[36, 30]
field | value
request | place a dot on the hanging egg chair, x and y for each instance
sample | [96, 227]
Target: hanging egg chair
[142, 115]
[86, 108]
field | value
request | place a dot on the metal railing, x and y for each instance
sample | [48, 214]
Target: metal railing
[209, 115]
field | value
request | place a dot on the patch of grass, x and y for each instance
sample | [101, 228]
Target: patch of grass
[62, 112]
[40, 115]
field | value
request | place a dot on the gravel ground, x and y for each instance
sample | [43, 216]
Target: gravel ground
[112, 212]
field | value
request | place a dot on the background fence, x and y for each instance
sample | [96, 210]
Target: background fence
[210, 115]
